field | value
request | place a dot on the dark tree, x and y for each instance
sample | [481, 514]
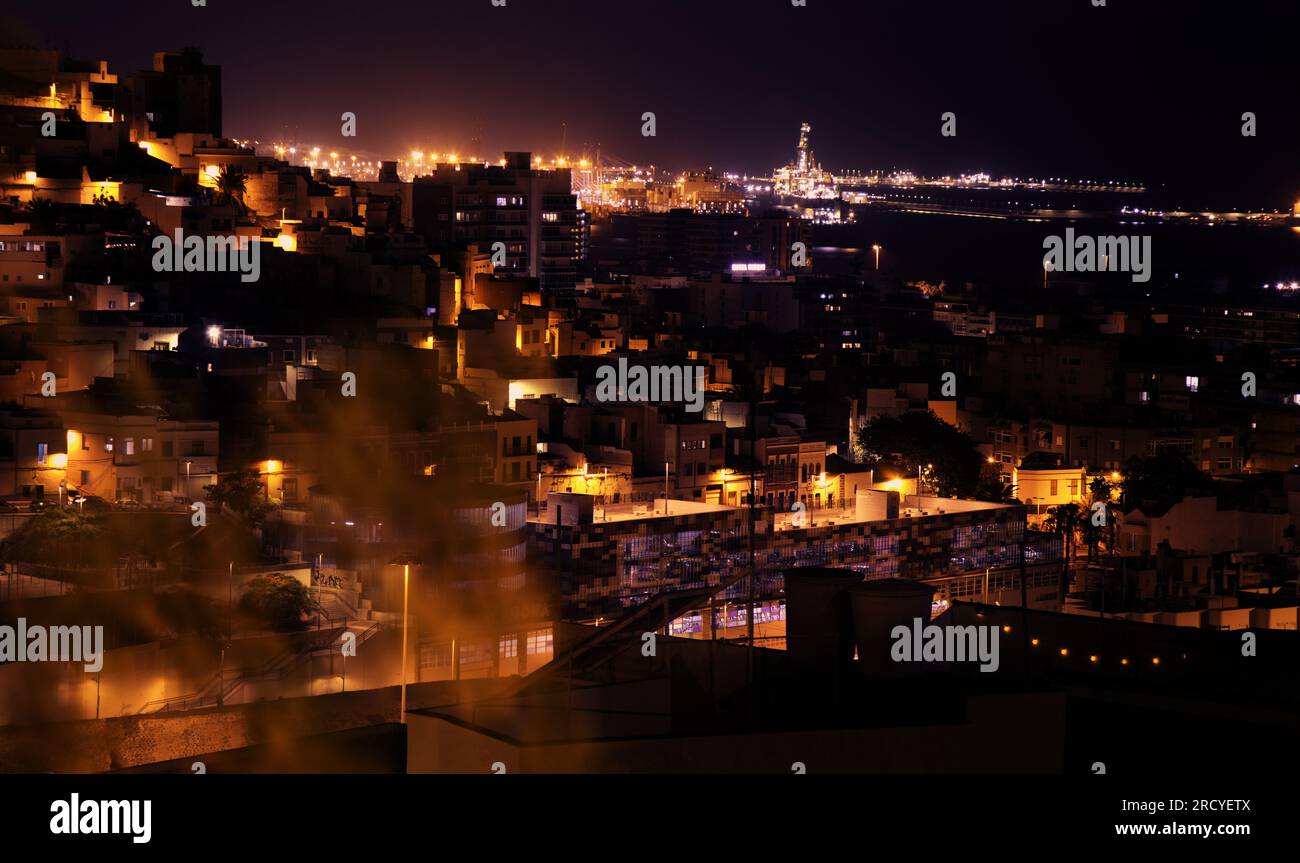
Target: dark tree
[1162, 480]
[951, 463]
[244, 493]
[277, 601]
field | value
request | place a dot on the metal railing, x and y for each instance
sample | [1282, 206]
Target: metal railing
[229, 685]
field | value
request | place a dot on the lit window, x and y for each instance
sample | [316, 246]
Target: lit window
[539, 641]
[42, 453]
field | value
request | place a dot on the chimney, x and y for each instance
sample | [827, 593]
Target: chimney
[819, 617]
[879, 606]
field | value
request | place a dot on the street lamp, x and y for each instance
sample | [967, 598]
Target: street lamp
[405, 562]
[230, 630]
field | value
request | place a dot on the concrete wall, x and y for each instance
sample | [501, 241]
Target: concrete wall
[1004, 734]
[109, 744]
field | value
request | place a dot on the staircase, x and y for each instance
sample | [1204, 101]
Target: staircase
[226, 685]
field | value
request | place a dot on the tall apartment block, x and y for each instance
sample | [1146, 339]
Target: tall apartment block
[532, 211]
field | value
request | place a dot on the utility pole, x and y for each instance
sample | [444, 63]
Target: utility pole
[406, 587]
[753, 569]
[1024, 601]
[230, 625]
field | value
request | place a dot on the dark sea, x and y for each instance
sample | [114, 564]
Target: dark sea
[1005, 245]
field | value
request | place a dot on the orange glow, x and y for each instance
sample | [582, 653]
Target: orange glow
[59, 460]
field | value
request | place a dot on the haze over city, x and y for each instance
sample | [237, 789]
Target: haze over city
[900, 391]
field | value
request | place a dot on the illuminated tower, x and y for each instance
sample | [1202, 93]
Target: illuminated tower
[805, 161]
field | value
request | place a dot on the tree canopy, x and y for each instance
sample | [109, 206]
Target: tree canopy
[951, 463]
[244, 493]
[277, 601]
[1157, 482]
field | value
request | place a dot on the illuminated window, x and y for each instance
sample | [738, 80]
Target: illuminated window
[540, 641]
[509, 647]
[435, 655]
[42, 453]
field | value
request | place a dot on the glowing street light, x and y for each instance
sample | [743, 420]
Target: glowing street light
[875, 247]
[405, 562]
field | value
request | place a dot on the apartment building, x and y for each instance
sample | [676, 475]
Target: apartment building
[138, 454]
[531, 212]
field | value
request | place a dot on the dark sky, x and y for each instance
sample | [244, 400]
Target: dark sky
[1139, 89]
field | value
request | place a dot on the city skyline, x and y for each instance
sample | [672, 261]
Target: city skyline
[1052, 93]
[895, 391]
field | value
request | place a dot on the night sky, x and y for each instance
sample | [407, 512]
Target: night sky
[1140, 90]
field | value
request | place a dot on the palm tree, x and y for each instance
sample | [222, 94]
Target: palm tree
[1103, 491]
[994, 490]
[232, 183]
[44, 213]
[1065, 521]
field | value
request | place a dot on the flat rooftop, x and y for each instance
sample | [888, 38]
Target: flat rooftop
[642, 511]
[911, 507]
